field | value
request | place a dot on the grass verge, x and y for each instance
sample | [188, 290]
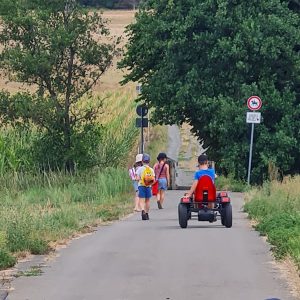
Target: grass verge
[276, 208]
[230, 184]
[40, 210]
[158, 142]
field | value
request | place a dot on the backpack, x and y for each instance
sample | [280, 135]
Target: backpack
[132, 173]
[147, 177]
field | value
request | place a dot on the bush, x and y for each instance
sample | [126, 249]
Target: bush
[230, 184]
[6, 259]
[38, 246]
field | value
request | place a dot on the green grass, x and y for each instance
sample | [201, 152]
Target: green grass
[33, 271]
[159, 142]
[276, 208]
[7, 260]
[40, 209]
[230, 184]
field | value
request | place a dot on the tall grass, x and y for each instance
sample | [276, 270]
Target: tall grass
[18, 151]
[120, 132]
[15, 149]
[159, 142]
[40, 208]
[228, 183]
[276, 207]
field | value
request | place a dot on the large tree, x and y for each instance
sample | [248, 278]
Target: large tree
[61, 51]
[199, 61]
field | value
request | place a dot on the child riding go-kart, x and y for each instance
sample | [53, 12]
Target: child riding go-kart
[203, 200]
[206, 204]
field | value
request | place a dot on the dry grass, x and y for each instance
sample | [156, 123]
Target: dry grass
[110, 80]
[189, 150]
[119, 20]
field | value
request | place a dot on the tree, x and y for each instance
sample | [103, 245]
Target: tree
[62, 51]
[199, 61]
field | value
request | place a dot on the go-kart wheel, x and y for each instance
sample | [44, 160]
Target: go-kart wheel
[183, 215]
[227, 215]
[222, 220]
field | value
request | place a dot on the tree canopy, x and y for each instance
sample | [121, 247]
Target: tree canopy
[60, 50]
[199, 61]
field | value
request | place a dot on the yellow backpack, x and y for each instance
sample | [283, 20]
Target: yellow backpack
[147, 177]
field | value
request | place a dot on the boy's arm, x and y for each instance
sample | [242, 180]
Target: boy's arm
[193, 188]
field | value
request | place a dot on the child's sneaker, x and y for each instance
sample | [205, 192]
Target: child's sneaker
[144, 215]
[159, 205]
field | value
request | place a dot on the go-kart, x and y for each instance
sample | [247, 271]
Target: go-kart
[206, 204]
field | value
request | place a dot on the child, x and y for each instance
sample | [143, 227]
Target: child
[146, 177]
[203, 170]
[133, 176]
[162, 174]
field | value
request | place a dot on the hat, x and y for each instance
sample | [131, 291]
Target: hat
[138, 158]
[161, 156]
[146, 158]
[202, 159]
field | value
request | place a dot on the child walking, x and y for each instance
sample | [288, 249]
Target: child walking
[162, 174]
[146, 177]
[133, 176]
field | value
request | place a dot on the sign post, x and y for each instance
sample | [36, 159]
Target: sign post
[141, 111]
[254, 103]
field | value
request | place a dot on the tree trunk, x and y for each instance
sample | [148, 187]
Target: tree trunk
[69, 162]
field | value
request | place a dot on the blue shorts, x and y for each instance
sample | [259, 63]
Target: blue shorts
[145, 192]
[135, 186]
[162, 184]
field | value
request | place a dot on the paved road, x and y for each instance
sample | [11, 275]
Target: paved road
[174, 142]
[157, 260]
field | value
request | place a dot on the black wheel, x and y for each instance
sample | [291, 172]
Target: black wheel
[183, 215]
[226, 218]
[222, 219]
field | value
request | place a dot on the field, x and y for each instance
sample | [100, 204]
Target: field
[276, 209]
[40, 210]
[110, 81]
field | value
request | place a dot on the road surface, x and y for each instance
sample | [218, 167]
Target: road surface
[156, 260]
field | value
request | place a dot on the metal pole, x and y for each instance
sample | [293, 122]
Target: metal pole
[250, 153]
[142, 135]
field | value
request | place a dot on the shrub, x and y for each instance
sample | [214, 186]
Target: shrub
[231, 184]
[6, 259]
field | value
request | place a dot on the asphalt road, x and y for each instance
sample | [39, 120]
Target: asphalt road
[157, 260]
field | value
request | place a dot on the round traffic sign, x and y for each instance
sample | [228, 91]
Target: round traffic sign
[142, 110]
[254, 103]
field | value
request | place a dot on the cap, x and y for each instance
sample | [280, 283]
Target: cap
[202, 159]
[161, 156]
[146, 158]
[138, 158]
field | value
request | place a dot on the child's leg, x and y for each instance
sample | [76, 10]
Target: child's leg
[162, 196]
[142, 203]
[147, 205]
[137, 202]
[141, 195]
